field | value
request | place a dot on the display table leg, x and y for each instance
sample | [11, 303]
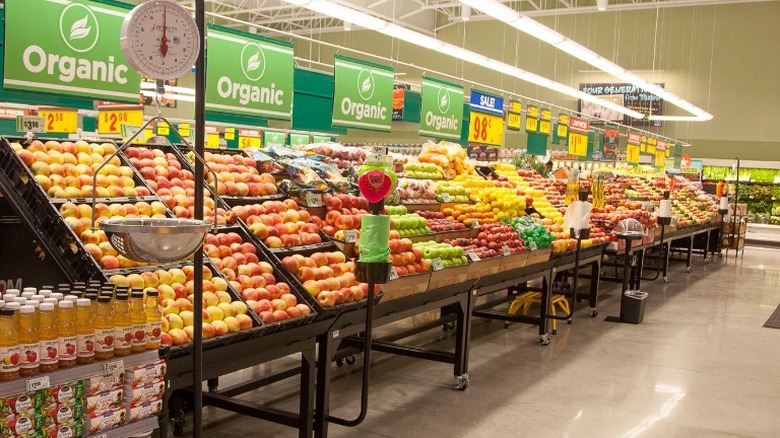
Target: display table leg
[595, 269]
[626, 276]
[544, 307]
[326, 347]
[308, 377]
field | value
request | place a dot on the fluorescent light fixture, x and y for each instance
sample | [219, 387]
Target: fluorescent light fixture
[347, 26]
[465, 13]
[181, 97]
[413, 37]
[168, 88]
[676, 118]
[525, 24]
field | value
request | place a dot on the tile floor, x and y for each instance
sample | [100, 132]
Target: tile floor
[700, 365]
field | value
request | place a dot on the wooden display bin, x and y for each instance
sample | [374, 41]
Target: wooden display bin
[484, 268]
[455, 234]
[449, 276]
[405, 286]
[411, 208]
[538, 256]
[514, 261]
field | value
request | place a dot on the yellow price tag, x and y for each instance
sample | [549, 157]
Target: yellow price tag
[515, 107]
[578, 144]
[531, 124]
[545, 127]
[248, 142]
[668, 151]
[650, 149]
[533, 111]
[230, 133]
[660, 158]
[212, 140]
[61, 121]
[163, 128]
[486, 129]
[110, 121]
[546, 114]
[184, 130]
[513, 121]
[563, 130]
[643, 147]
[632, 154]
[148, 133]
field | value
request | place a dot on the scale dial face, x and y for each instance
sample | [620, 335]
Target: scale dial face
[160, 39]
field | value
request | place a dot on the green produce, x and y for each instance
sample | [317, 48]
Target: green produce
[409, 224]
[534, 234]
[449, 255]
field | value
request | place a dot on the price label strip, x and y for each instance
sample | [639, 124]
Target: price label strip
[38, 383]
[505, 250]
[61, 121]
[30, 124]
[313, 199]
[248, 142]
[393, 273]
[486, 129]
[446, 198]
[436, 264]
[473, 256]
[475, 224]
[350, 236]
[110, 120]
[113, 366]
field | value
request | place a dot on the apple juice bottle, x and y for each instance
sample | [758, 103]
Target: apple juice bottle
[9, 345]
[29, 342]
[85, 332]
[153, 320]
[66, 329]
[123, 326]
[49, 338]
[138, 318]
[104, 329]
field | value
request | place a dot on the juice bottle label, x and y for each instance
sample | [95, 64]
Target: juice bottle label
[104, 340]
[123, 337]
[49, 351]
[153, 330]
[139, 335]
[30, 355]
[85, 345]
[67, 346]
[9, 359]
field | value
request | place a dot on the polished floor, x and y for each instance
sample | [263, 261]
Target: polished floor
[700, 365]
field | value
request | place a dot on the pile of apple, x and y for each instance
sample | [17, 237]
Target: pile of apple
[410, 224]
[279, 224]
[175, 186]
[238, 175]
[407, 259]
[221, 314]
[449, 255]
[416, 192]
[341, 156]
[423, 171]
[345, 212]
[327, 276]
[65, 170]
[254, 279]
[451, 192]
[79, 218]
[491, 240]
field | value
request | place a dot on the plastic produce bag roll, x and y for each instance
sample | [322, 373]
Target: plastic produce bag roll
[374, 236]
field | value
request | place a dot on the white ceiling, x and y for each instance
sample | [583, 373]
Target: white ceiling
[426, 16]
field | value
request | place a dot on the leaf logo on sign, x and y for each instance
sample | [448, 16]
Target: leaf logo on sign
[366, 87]
[79, 29]
[365, 84]
[254, 62]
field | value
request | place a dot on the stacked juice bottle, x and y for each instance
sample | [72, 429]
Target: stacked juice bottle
[42, 331]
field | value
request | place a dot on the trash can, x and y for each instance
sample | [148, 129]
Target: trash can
[634, 306]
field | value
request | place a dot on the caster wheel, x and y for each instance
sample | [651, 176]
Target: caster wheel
[350, 360]
[339, 363]
[544, 339]
[666, 280]
[448, 326]
[568, 321]
[555, 332]
[506, 324]
[594, 313]
[462, 382]
[689, 269]
[706, 261]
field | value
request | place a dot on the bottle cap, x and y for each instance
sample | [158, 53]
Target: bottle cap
[57, 295]
[20, 300]
[30, 289]
[33, 303]
[66, 304]
[11, 291]
[52, 301]
[2, 304]
[6, 312]
[38, 298]
[27, 294]
[104, 299]
[12, 306]
[137, 293]
[45, 292]
[121, 296]
[71, 298]
[83, 302]
[90, 296]
[26, 309]
[47, 306]
[151, 292]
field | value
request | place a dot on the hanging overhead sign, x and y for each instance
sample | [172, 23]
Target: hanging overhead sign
[486, 118]
[545, 118]
[632, 150]
[363, 94]
[514, 116]
[627, 95]
[441, 112]
[68, 47]
[563, 126]
[249, 74]
[486, 103]
[578, 136]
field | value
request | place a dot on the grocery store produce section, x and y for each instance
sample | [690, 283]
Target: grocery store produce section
[280, 260]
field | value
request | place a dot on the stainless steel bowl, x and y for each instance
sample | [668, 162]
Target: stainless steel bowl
[161, 240]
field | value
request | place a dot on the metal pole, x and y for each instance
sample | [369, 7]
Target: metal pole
[626, 274]
[200, 119]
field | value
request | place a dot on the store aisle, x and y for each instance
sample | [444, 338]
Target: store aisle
[700, 365]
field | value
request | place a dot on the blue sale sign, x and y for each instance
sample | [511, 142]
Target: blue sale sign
[486, 103]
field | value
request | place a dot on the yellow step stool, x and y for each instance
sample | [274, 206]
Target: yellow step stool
[525, 300]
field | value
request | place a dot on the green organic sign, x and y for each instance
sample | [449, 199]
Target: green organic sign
[271, 138]
[248, 74]
[70, 47]
[321, 139]
[299, 139]
[363, 95]
[441, 115]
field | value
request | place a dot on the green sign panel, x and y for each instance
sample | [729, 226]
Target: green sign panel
[363, 95]
[321, 139]
[299, 139]
[249, 74]
[441, 115]
[271, 138]
[68, 47]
